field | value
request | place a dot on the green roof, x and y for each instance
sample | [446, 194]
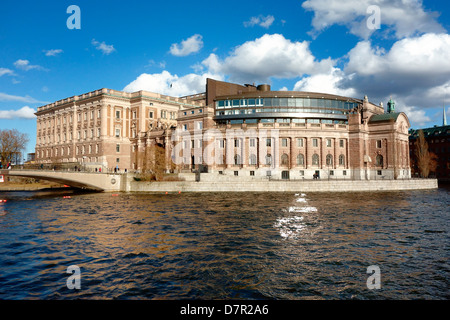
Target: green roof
[384, 117]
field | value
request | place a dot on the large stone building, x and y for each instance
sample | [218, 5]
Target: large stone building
[231, 129]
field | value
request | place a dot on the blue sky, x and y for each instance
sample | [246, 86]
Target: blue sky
[329, 46]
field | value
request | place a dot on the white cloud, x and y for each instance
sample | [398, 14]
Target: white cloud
[404, 18]
[261, 21]
[325, 83]
[187, 47]
[26, 99]
[6, 71]
[25, 65]
[52, 52]
[266, 57]
[172, 85]
[103, 47]
[23, 113]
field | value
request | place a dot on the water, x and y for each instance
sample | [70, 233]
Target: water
[225, 246]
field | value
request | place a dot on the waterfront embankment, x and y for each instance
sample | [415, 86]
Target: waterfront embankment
[284, 186]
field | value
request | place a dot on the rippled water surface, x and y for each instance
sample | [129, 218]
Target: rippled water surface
[225, 246]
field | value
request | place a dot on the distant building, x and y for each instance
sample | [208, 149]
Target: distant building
[438, 139]
[240, 130]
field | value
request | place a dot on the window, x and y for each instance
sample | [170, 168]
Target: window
[341, 160]
[300, 159]
[341, 143]
[236, 173]
[117, 147]
[90, 149]
[99, 132]
[284, 159]
[315, 142]
[300, 142]
[252, 143]
[117, 114]
[185, 127]
[315, 159]
[379, 160]
[329, 143]
[302, 173]
[268, 142]
[284, 142]
[252, 160]
[252, 173]
[134, 115]
[237, 159]
[329, 160]
[344, 173]
[331, 172]
[221, 144]
[269, 160]
[379, 172]
[117, 160]
[150, 114]
[378, 144]
[236, 143]
[92, 114]
[117, 133]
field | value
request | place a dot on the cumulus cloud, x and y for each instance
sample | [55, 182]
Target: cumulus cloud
[52, 52]
[23, 113]
[103, 47]
[25, 65]
[403, 18]
[169, 84]
[325, 82]
[269, 56]
[186, 47]
[261, 21]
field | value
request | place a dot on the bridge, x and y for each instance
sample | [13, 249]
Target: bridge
[83, 180]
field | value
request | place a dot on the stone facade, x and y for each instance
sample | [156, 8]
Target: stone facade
[244, 131]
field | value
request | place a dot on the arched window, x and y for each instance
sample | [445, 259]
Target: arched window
[329, 160]
[284, 159]
[300, 159]
[315, 159]
[269, 159]
[379, 160]
[342, 160]
[237, 159]
[252, 160]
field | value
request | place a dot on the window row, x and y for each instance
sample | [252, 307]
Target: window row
[286, 102]
[278, 110]
[300, 160]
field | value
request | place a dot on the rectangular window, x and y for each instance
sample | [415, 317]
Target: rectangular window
[117, 147]
[315, 142]
[252, 143]
[344, 173]
[299, 142]
[236, 173]
[302, 173]
[150, 114]
[341, 143]
[379, 172]
[185, 127]
[329, 143]
[117, 160]
[117, 114]
[284, 142]
[252, 173]
[200, 125]
[331, 172]
[378, 144]
[117, 133]
[268, 142]
[221, 144]
[236, 143]
[98, 132]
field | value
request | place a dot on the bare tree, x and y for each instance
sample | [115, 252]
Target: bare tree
[12, 142]
[426, 161]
